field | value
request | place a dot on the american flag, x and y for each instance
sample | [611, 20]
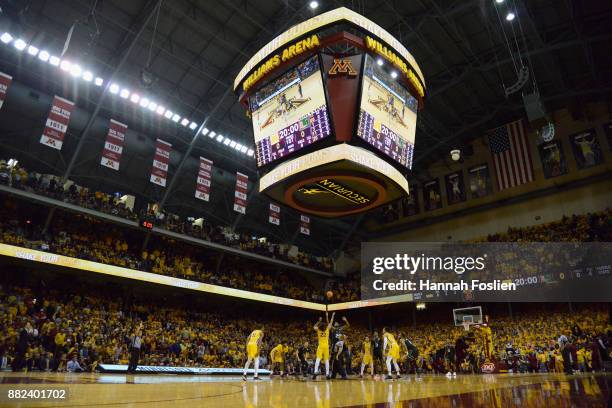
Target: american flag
[511, 155]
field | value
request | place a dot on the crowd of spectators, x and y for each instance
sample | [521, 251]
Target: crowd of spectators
[123, 206]
[64, 330]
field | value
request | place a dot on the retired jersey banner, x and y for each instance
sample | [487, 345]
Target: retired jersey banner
[57, 123]
[113, 147]
[240, 195]
[305, 224]
[159, 171]
[5, 82]
[203, 181]
[274, 217]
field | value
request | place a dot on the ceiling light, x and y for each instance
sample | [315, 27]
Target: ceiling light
[160, 110]
[393, 74]
[176, 117]
[205, 131]
[65, 65]
[144, 102]
[238, 146]
[135, 98]
[220, 138]
[168, 114]
[510, 16]
[250, 152]
[114, 88]
[380, 62]
[193, 125]
[6, 38]
[212, 134]
[125, 93]
[184, 122]
[98, 81]
[20, 44]
[232, 144]
[227, 141]
[88, 76]
[499, 1]
[244, 149]
[313, 4]
[76, 70]
[53, 60]
[43, 56]
[32, 50]
[152, 106]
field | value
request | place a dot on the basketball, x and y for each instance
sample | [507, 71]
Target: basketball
[329, 294]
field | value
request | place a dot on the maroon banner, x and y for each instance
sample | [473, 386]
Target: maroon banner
[204, 179]
[305, 224]
[159, 171]
[274, 217]
[57, 123]
[240, 195]
[5, 82]
[113, 147]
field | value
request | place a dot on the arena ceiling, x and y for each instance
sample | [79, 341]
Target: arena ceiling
[194, 48]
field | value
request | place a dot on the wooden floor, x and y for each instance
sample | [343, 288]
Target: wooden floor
[498, 390]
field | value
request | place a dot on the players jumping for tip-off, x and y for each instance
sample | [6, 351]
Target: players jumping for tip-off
[323, 346]
[392, 350]
[253, 347]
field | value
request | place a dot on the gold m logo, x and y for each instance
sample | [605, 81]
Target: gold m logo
[342, 66]
[311, 191]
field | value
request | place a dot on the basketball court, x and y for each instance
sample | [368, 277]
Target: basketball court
[502, 390]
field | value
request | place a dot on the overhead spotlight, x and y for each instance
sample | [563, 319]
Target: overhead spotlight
[20, 44]
[152, 106]
[313, 4]
[53, 60]
[184, 122]
[380, 62]
[160, 110]
[455, 154]
[144, 102]
[212, 134]
[393, 74]
[32, 50]
[43, 56]
[220, 138]
[193, 125]
[135, 98]
[232, 144]
[76, 70]
[98, 81]
[510, 16]
[168, 114]
[499, 1]
[205, 131]
[238, 146]
[88, 76]
[227, 141]
[114, 88]
[65, 65]
[176, 117]
[250, 152]
[243, 149]
[6, 38]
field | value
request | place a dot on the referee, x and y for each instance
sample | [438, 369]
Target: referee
[135, 346]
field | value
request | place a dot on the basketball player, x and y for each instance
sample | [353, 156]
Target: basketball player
[323, 346]
[486, 338]
[302, 353]
[277, 357]
[393, 352]
[367, 358]
[412, 353]
[253, 346]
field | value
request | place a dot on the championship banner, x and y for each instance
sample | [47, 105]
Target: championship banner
[5, 81]
[305, 224]
[159, 171]
[203, 181]
[57, 123]
[274, 217]
[240, 195]
[113, 147]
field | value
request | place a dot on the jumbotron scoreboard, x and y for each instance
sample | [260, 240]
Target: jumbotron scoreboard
[334, 130]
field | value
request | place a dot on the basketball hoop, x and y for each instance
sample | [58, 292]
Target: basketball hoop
[466, 326]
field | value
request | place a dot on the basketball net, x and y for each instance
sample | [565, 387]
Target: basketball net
[466, 326]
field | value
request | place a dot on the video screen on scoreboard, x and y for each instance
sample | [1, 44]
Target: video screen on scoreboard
[289, 113]
[387, 114]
